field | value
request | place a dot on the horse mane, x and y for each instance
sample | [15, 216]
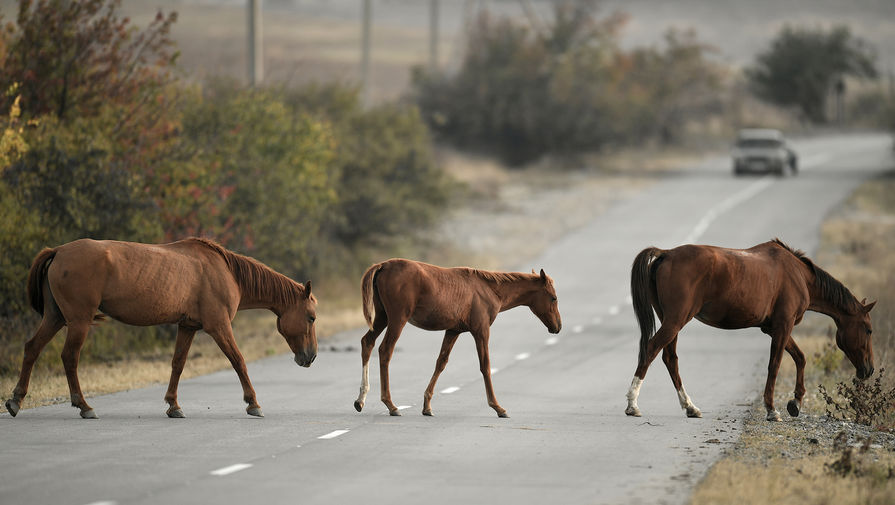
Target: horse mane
[500, 277]
[831, 289]
[255, 279]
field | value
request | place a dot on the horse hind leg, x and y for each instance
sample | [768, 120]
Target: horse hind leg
[669, 357]
[367, 342]
[666, 333]
[450, 337]
[71, 355]
[49, 327]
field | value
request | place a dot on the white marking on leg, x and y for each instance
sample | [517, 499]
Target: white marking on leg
[633, 393]
[364, 384]
[332, 434]
[452, 389]
[683, 398]
[227, 470]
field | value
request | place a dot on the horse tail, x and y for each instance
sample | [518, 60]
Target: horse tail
[366, 290]
[36, 277]
[641, 294]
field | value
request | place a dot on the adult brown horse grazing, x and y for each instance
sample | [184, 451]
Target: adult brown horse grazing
[194, 283]
[456, 300]
[769, 286]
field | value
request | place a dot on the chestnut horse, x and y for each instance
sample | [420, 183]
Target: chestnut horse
[194, 283]
[769, 286]
[456, 300]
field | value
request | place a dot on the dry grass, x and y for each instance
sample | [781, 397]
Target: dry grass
[858, 248]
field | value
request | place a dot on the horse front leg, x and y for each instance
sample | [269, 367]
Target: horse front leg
[450, 337]
[181, 349]
[223, 337]
[795, 405]
[481, 346]
[778, 343]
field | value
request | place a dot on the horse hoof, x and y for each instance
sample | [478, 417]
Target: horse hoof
[774, 416]
[427, 412]
[693, 412]
[175, 414]
[254, 411]
[395, 413]
[503, 415]
[89, 414]
[358, 406]
[793, 408]
[633, 411]
[13, 407]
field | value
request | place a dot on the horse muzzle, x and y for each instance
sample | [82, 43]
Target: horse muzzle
[556, 328]
[864, 372]
[305, 359]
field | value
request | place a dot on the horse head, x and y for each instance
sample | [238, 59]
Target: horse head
[854, 336]
[296, 323]
[544, 304]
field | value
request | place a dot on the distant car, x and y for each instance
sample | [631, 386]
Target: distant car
[762, 150]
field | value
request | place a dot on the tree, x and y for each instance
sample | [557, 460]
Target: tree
[803, 65]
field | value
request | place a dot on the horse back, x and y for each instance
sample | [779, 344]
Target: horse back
[432, 297]
[140, 284]
[731, 288]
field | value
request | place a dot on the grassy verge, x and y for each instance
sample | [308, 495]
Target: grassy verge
[812, 458]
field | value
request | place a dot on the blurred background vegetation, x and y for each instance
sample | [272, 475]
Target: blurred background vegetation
[106, 135]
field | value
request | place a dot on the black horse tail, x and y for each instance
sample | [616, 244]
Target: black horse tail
[642, 286]
[36, 277]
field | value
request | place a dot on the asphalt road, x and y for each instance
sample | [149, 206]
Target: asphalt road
[567, 441]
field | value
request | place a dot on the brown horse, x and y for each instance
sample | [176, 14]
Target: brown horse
[195, 284]
[456, 300]
[769, 286]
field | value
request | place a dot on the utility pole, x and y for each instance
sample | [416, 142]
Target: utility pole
[433, 35]
[255, 52]
[365, 52]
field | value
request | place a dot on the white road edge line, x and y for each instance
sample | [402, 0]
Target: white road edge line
[103, 502]
[727, 204]
[332, 434]
[452, 389]
[552, 341]
[227, 470]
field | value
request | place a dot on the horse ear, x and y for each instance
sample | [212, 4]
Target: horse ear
[543, 276]
[308, 289]
[863, 301]
[868, 306]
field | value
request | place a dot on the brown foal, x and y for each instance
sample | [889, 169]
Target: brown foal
[455, 300]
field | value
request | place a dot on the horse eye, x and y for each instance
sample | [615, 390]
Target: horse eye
[869, 331]
[311, 319]
[553, 299]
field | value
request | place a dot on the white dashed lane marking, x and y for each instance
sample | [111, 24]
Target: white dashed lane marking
[452, 389]
[227, 470]
[332, 434]
[494, 370]
[522, 356]
[597, 320]
[552, 341]
[614, 310]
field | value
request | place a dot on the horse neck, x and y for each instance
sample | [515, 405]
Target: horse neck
[514, 293]
[273, 300]
[819, 303]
